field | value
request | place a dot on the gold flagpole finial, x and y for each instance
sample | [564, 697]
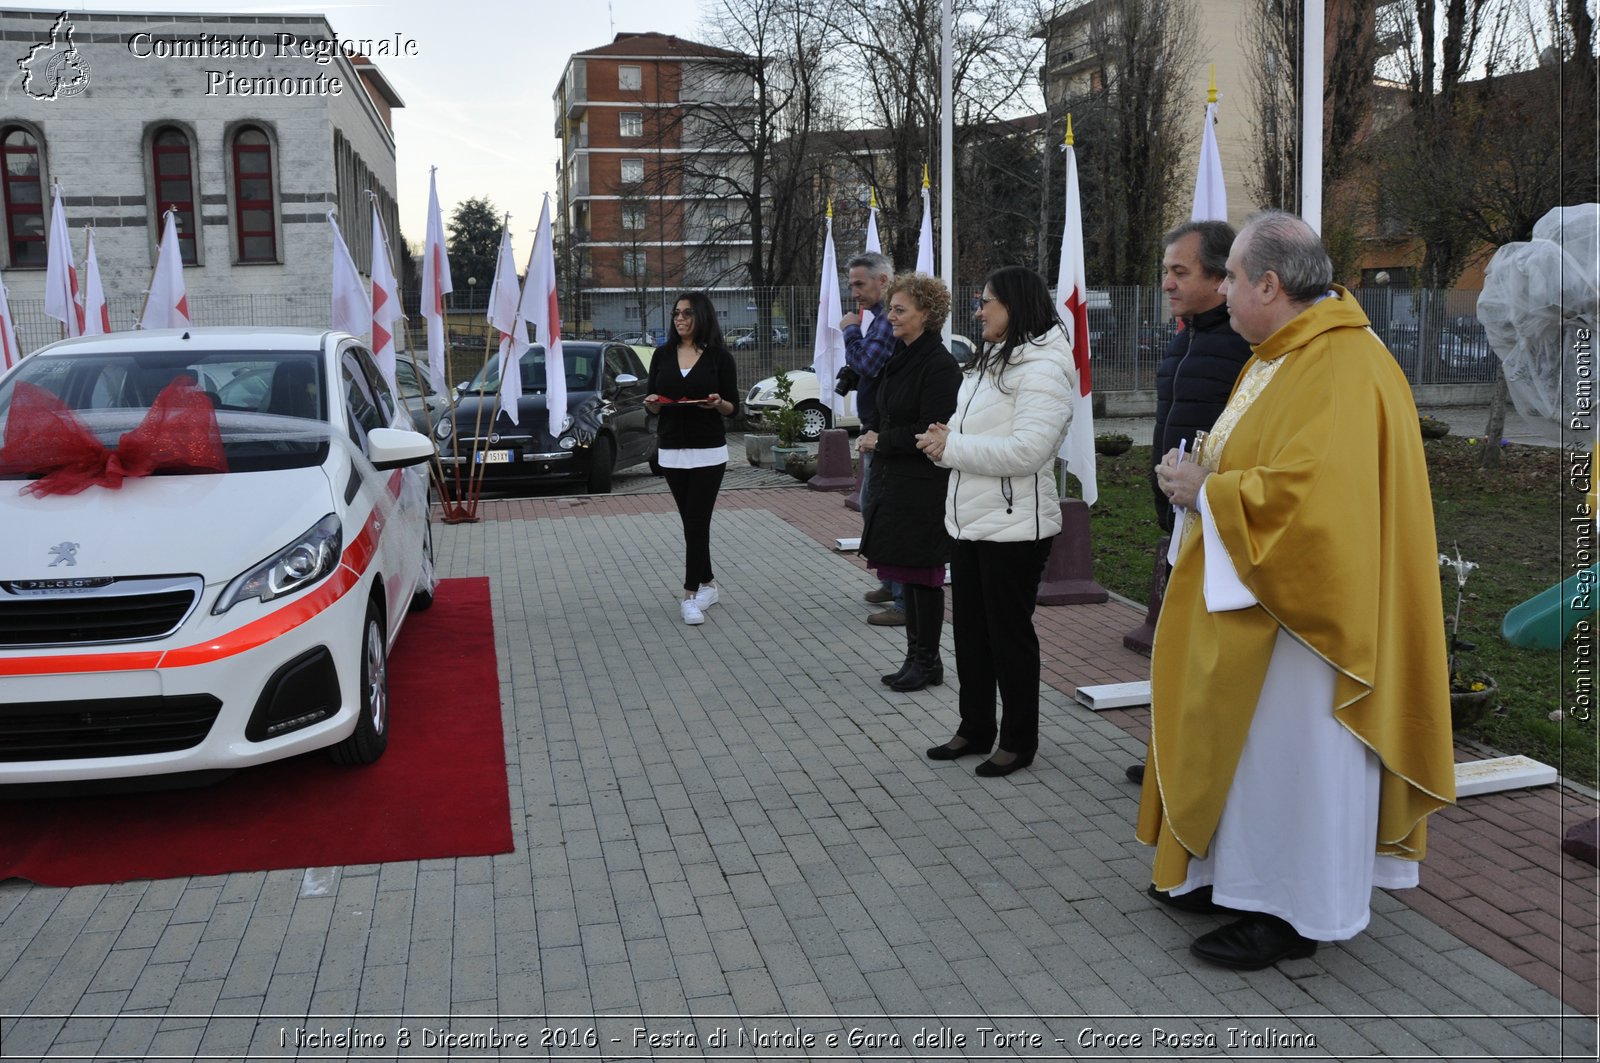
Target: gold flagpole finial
[830, 208]
[924, 175]
[1068, 141]
[1211, 93]
[872, 194]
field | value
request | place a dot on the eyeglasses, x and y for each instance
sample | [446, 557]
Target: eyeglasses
[981, 301]
[683, 313]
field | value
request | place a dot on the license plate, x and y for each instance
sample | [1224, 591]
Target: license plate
[494, 457]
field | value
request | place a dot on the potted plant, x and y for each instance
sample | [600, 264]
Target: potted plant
[1472, 696]
[787, 422]
[1112, 443]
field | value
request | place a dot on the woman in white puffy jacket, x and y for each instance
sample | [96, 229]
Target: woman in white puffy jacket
[1002, 509]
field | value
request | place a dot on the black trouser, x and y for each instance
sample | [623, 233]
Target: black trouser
[695, 491]
[992, 592]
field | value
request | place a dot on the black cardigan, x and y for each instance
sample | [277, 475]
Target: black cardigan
[692, 427]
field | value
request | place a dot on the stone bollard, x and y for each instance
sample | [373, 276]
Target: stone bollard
[833, 462]
[1141, 638]
[1069, 573]
[853, 499]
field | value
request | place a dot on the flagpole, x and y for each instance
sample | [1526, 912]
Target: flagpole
[946, 162]
[476, 470]
[1312, 31]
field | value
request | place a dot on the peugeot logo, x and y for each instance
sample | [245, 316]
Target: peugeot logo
[66, 554]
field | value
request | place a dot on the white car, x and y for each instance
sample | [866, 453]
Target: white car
[198, 621]
[762, 399]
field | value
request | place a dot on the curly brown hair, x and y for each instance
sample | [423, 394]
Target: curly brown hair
[928, 293]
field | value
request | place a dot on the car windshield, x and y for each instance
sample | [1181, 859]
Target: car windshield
[270, 405]
[580, 364]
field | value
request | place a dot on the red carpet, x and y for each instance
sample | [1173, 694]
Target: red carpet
[439, 790]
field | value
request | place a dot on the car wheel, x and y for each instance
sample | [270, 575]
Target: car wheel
[422, 597]
[371, 736]
[602, 462]
[815, 419]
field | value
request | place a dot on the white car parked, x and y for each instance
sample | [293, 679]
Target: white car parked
[806, 393]
[202, 620]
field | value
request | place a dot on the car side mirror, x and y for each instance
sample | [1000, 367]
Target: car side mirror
[395, 448]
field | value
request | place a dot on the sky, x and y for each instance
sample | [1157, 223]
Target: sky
[477, 93]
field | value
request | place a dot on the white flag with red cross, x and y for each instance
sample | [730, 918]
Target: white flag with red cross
[1072, 303]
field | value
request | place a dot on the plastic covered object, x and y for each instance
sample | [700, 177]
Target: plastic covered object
[1537, 296]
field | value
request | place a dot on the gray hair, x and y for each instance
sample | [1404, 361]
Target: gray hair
[1286, 245]
[876, 263]
[1216, 237]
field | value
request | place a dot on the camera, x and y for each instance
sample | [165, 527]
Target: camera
[846, 381]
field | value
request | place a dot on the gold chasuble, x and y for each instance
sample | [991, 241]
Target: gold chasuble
[1319, 491]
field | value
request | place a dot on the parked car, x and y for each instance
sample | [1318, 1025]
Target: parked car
[605, 429]
[196, 621]
[762, 399]
[424, 404]
[744, 338]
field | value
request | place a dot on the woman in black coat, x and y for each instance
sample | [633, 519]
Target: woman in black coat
[903, 533]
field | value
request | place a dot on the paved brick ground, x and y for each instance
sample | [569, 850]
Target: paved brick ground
[734, 822]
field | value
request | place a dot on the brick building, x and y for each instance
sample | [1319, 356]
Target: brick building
[251, 127]
[636, 221]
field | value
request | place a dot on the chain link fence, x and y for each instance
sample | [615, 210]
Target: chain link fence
[1434, 335]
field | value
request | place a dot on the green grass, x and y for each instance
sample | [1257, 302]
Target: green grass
[1509, 520]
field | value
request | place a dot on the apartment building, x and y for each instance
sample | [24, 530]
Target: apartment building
[647, 124]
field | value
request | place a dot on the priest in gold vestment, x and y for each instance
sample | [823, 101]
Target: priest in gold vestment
[1300, 715]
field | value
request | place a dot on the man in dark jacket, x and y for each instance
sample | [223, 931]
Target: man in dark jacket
[1203, 360]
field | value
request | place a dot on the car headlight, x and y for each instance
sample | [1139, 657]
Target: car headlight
[567, 442]
[567, 423]
[442, 430]
[303, 562]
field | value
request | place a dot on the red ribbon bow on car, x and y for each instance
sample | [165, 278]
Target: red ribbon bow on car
[44, 436]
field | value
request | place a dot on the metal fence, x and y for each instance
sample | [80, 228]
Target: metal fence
[1434, 335]
[1129, 329]
[35, 328]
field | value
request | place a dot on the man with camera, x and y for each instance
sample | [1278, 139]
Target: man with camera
[866, 352]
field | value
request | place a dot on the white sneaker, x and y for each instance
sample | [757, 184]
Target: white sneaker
[707, 595]
[691, 612]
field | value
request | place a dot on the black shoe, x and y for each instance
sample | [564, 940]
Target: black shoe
[1135, 774]
[950, 751]
[894, 677]
[919, 675]
[990, 770]
[1198, 901]
[1253, 943]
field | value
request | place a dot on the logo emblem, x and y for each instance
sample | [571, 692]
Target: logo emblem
[66, 555]
[55, 69]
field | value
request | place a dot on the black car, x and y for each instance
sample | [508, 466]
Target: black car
[605, 429]
[424, 404]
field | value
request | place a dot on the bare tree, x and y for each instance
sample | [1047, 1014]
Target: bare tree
[891, 85]
[743, 177]
[1274, 77]
[1441, 44]
[1272, 74]
[1131, 123]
